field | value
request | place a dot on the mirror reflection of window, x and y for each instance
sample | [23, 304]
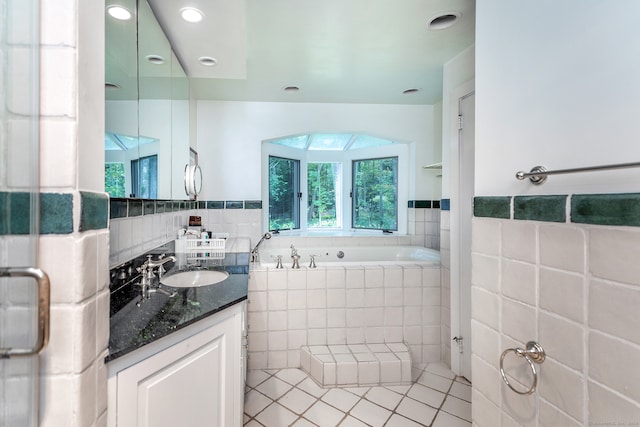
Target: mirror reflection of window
[114, 179]
[144, 177]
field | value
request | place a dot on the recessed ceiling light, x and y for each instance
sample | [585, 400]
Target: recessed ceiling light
[155, 59]
[443, 20]
[109, 85]
[291, 88]
[191, 14]
[119, 12]
[208, 61]
[412, 90]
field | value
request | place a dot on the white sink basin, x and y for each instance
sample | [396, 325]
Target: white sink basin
[194, 278]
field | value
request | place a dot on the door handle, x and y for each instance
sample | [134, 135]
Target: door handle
[42, 280]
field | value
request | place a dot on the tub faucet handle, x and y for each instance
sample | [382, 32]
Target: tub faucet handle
[312, 263]
[296, 260]
[279, 261]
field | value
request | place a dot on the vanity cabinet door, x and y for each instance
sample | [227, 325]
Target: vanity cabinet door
[192, 383]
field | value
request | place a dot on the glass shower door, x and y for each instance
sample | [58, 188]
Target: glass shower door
[20, 315]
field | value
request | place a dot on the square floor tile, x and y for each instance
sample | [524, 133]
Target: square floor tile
[402, 389]
[383, 397]
[352, 422]
[446, 420]
[276, 416]
[274, 388]
[461, 391]
[416, 411]
[340, 399]
[370, 413]
[440, 369]
[311, 387]
[360, 391]
[255, 402]
[458, 407]
[400, 421]
[435, 381]
[324, 415]
[255, 377]
[292, 376]
[426, 395]
[303, 423]
[297, 400]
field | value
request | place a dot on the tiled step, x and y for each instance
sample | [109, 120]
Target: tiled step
[357, 364]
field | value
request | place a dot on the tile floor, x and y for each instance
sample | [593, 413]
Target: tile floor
[288, 397]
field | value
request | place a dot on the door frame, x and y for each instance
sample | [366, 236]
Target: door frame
[456, 315]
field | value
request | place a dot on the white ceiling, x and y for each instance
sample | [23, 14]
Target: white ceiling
[356, 51]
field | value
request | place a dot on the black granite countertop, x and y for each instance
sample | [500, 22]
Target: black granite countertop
[135, 322]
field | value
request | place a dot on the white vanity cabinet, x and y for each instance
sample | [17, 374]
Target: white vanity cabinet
[193, 377]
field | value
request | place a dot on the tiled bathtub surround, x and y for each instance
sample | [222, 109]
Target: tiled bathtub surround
[575, 289]
[424, 223]
[291, 308]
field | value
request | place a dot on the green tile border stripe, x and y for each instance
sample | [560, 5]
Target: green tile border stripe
[94, 211]
[492, 207]
[606, 209]
[56, 213]
[540, 208]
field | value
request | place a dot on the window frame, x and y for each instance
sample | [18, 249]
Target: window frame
[297, 208]
[399, 150]
[353, 192]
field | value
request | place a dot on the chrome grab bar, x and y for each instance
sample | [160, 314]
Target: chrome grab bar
[533, 353]
[42, 339]
[538, 174]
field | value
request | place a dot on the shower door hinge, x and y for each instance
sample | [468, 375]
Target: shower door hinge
[460, 122]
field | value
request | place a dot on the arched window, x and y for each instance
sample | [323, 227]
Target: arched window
[334, 183]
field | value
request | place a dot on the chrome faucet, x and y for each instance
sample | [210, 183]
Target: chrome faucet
[295, 257]
[255, 256]
[147, 287]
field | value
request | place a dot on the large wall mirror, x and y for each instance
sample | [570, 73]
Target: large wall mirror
[147, 107]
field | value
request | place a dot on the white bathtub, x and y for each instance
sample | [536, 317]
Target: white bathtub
[353, 255]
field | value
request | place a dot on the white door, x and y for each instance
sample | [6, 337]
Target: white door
[466, 141]
[20, 317]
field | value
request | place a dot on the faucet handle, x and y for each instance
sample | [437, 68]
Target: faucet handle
[312, 263]
[279, 261]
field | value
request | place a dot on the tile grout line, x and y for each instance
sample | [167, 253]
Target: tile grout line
[360, 397]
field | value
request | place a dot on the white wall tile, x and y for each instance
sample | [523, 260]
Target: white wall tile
[485, 272]
[562, 293]
[613, 254]
[562, 247]
[605, 406]
[562, 386]
[519, 240]
[485, 235]
[614, 363]
[519, 281]
[485, 307]
[518, 320]
[614, 309]
[563, 340]
[276, 300]
[485, 342]
[550, 416]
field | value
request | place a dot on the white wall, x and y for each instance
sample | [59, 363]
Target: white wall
[229, 136]
[554, 86]
[558, 85]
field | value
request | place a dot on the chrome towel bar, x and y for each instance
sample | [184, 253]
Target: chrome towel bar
[538, 174]
[533, 353]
